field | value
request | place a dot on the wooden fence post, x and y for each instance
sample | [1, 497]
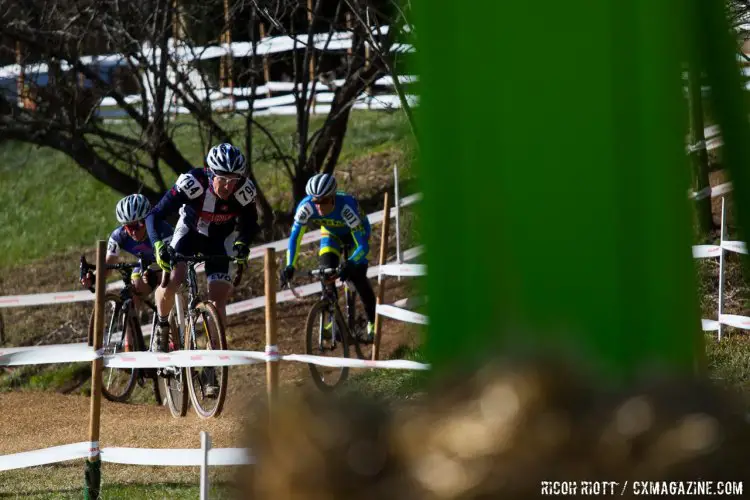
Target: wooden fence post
[92, 476]
[381, 282]
[272, 364]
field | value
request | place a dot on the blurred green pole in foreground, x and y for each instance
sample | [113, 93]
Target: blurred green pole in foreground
[555, 183]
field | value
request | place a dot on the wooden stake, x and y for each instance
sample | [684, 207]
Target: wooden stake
[266, 69]
[21, 79]
[96, 371]
[312, 51]
[381, 281]
[227, 61]
[272, 365]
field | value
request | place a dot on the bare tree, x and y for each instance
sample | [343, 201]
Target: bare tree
[166, 68]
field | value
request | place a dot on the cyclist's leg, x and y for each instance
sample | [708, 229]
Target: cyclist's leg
[182, 242]
[362, 286]
[330, 249]
[219, 280]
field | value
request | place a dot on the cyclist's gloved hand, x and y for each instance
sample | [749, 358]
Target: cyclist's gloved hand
[286, 275]
[88, 280]
[241, 253]
[345, 270]
[163, 255]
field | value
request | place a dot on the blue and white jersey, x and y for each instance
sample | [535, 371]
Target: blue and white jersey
[344, 219]
[121, 240]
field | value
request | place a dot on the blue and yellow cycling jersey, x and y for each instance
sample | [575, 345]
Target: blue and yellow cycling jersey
[344, 220]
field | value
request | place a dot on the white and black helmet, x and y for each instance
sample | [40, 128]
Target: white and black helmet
[321, 185]
[132, 208]
[225, 158]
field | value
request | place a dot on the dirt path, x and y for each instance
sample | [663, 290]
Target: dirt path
[33, 420]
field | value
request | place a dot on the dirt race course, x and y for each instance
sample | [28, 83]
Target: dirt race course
[39, 419]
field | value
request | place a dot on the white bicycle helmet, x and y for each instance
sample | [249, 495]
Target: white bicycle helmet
[226, 159]
[321, 185]
[132, 208]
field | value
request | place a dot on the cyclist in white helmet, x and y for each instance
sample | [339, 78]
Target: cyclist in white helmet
[131, 237]
[210, 201]
[341, 225]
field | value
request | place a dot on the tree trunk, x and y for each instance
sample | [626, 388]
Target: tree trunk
[699, 156]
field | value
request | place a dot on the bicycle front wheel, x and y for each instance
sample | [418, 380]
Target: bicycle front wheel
[118, 336]
[326, 335]
[207, 384]
[174, 377]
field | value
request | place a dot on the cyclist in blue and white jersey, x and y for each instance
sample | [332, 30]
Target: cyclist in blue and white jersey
[210, 201]
[341, 225]
[131, 237]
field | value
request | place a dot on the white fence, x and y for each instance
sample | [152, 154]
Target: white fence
[183, 54]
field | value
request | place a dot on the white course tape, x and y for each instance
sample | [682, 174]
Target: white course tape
[255, 252]
[706, 251]
[183, 359]
[410, 302]
[709, 325]
[45, 456]
[721, 189]
[400, 314]
[735, 246]
[703, 193]
[742, 322]
[176, 457]
[272, 353]
[404, 269]
[396, 364]
[34, 355]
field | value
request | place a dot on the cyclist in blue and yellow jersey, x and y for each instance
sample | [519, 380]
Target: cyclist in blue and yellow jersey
[341, 225]
[131, 237]
[210, 201]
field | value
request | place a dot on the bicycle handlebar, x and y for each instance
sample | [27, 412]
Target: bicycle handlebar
[123, 267]
[322, 273]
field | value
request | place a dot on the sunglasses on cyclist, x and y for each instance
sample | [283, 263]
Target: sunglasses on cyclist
[134, 226]
[323, 201]
[228, 179]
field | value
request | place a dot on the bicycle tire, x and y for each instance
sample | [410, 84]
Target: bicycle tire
[174, 386]
[122, 395]
[357, 323]
[148, 373]
[193, 374]
[312, 325]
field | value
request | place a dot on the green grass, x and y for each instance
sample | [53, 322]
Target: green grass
[50, 205]
[392, 384]
[139, 491]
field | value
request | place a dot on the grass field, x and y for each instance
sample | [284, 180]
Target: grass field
[49, 204]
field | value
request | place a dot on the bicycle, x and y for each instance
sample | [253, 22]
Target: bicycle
[204, 384]
[326, 329]
[123, 334]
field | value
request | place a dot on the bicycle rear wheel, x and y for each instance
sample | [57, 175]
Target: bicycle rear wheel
[326, 333]
[174, 380]
[207, 385]
[357, 322]
[118, 336]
